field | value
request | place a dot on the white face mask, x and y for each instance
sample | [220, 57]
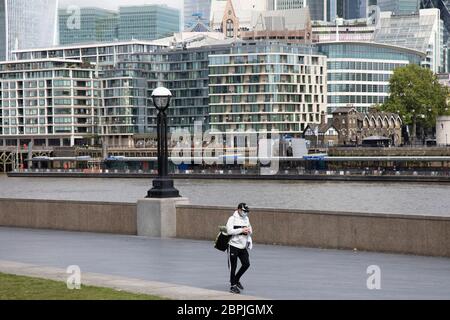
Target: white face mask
[244, 213]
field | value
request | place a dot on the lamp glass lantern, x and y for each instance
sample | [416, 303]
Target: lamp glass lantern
[161, 98]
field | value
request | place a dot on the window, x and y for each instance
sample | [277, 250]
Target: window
[230, 29]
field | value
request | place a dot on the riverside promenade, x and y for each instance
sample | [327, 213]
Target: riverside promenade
[276, 272]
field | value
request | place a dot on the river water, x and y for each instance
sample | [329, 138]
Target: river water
[372, 197]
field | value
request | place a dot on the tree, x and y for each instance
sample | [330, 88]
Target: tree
[417, 96]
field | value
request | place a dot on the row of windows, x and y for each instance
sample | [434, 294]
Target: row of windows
[367, 51]
[56, 93]
[124, 92]
[280, 127]
[376, 77]
[266, 108]
[261, 59]
[55, 102]
[359, 108]
[43, 84]
[57, 129]
[48, 74]
[363, 88]
[258, 118]
[284, 88]
[357, 65]
[270, 98]
[273, 68]
[27, 131]
[356, 99]
[124, 83]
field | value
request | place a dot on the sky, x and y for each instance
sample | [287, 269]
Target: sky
[113, 4]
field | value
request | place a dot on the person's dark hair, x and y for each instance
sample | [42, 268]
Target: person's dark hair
[243, 206]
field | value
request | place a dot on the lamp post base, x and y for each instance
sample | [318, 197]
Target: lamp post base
[163, 188]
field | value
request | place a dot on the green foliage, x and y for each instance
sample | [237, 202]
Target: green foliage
[417, 96]
[14, 287]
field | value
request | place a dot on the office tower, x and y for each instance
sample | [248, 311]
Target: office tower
[318, 9]
[148, 22]
[323, 10]
[94, 25]
[27, 24]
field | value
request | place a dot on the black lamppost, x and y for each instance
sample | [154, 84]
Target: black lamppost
[162, 186]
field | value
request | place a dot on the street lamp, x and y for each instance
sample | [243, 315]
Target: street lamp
[163, 186]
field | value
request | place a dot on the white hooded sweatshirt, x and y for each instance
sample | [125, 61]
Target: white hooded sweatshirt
[239, 240]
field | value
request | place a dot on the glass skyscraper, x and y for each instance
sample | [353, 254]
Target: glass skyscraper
[196, 9]
[317, 9]
[95, 25]
[148, 22]
[27, 24]
[355, 9]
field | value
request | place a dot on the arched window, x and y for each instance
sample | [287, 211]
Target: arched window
[392, 123]
[378, 122]
[230, 29]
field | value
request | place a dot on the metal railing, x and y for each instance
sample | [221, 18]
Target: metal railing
[253, 172]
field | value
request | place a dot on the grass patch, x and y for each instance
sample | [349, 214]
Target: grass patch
[14, 287]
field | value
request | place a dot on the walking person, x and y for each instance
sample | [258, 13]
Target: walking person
[240, 230]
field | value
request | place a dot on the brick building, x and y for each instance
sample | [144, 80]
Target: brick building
[354, 126]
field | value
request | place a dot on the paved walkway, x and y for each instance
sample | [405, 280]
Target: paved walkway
[160, 289]
[276, 272]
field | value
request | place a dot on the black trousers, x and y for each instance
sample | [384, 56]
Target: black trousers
[243, 256]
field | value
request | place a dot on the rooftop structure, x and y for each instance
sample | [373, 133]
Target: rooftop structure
[98, 53]
[423, 31]
[345, 30]
[399, 7]
[290, 25]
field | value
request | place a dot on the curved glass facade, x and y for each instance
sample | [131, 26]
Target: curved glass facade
[359, 73]
[367, 51]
